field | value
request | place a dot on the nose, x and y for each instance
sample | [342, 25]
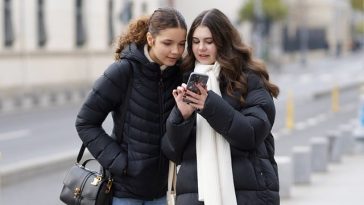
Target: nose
[175, 49]
[201, 46]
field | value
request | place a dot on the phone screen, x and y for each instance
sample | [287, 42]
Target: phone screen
[194, 79]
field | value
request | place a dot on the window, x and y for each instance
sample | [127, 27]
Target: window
[126, 12]
[80, 24]
[110, 22]
[8, 24]
[41, 31]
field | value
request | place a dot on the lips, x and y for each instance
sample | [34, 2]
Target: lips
[172, 59]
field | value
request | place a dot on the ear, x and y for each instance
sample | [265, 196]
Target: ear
[150, 39]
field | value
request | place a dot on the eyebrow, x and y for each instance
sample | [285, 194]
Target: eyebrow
[170, 40]
[207, 38]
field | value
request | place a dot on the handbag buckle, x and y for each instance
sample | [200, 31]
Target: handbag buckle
[96, 180]
[108, 186]
[76, 192]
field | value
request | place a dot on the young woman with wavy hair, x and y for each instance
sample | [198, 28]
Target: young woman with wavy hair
[222, 137]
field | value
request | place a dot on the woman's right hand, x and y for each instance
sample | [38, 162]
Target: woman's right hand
[185, 109]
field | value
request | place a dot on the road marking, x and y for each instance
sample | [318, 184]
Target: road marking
[14, 135]
[301, 125]
[305, 78]
[349, 107]
[325, 77]
[313, 121]
[322, 117]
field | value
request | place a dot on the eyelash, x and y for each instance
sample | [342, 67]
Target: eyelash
[208, 42]
[168, 44]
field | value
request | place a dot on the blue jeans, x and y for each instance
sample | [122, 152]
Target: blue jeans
[130, 201]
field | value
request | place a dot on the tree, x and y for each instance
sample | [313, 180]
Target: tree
[262, 17]
[357, 5]
[273, 10]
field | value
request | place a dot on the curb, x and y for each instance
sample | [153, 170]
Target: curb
[326, 92]
[42, 98]
[29, 168]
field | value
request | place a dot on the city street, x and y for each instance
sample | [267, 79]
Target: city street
[51, 52]
[45, 189]
[43, 133]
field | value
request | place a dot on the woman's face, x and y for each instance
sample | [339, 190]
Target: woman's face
[168, 46]
[203, 45]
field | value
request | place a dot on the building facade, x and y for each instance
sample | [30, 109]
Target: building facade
[319, 24]
[52, 42]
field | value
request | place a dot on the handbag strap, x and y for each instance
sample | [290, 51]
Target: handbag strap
[172, 177]
[124, 107]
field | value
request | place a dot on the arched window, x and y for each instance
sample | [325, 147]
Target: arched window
[80, 24]
[41, 30]
[110, 22]
[8, 24]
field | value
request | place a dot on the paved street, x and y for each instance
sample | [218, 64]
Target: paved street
[342, 184]
[47, 132]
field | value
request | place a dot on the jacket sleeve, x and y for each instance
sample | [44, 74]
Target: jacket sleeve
[244, 129]
[104, 97]
[176, 137]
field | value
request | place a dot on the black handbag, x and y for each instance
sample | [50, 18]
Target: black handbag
[83, 186]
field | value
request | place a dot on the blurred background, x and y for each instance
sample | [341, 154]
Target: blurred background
[51, 51]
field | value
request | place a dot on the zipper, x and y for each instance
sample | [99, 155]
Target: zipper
[161, 104]
[161, 117]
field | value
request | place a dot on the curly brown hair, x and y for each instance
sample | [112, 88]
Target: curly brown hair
[234, 56]
[161, 19]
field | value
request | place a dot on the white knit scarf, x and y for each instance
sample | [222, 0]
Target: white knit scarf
[214, 169]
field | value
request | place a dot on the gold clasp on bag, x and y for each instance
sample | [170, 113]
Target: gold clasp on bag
[77, 192]
[108, 186]
[96, 180]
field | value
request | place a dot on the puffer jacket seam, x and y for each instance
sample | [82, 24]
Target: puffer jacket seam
[112, 82]
[148, 143]
[103, 97]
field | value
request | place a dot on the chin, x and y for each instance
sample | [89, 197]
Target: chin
[205, 62]
[169, 63]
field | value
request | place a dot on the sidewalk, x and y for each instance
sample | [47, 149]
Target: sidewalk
[342, 184]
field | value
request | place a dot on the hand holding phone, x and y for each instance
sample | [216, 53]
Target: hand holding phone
[193, 80]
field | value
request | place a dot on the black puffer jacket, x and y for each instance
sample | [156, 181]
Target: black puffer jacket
[137, 163]
[247, 129]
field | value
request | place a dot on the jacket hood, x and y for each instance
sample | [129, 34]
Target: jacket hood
[135, 53]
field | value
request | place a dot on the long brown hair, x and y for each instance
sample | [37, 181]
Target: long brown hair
[234, 56]
[161, 19]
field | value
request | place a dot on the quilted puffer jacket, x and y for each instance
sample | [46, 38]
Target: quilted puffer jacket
[247, 128]
[138, 166]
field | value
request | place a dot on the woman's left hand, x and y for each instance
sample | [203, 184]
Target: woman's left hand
[197, 100]
[185, 109]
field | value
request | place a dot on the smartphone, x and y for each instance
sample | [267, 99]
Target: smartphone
[194, 79]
